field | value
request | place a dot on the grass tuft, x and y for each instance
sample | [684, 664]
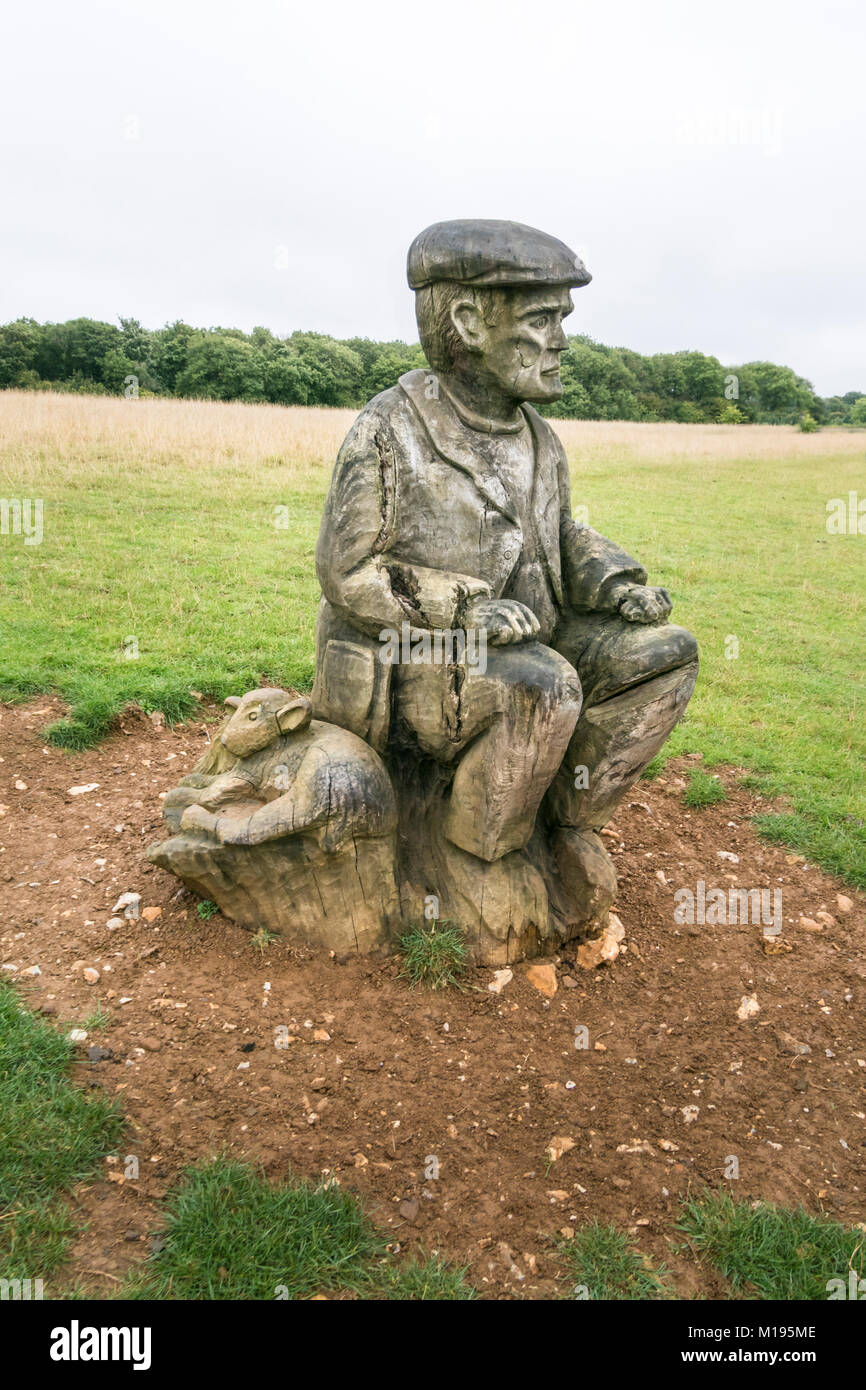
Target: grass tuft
[603, 1264]
[703, 790]
[263, 938]
[434, 955]
[771, 1252]
[232, 1234]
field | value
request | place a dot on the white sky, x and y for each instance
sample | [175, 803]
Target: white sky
[269, 163]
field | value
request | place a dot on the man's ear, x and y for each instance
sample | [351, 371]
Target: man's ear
[294, 716]
[469, 324]
[233, 700]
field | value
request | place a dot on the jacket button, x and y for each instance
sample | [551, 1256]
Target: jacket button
[509, 555]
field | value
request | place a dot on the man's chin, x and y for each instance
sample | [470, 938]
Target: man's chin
[545, 389]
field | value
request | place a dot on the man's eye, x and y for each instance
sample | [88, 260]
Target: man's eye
[540, 322]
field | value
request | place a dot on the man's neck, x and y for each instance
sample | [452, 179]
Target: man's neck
[482, 406]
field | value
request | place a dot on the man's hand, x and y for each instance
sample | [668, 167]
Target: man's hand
[641, 603]
[504, 619]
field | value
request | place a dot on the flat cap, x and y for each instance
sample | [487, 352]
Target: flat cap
[487, 252]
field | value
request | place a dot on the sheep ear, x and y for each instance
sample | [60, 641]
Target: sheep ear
[233, 700]
[296, 715]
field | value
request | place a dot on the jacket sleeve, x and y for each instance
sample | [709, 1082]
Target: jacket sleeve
[370, 587]
[592, 567]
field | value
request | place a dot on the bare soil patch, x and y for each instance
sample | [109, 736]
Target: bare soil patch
[379, 1080]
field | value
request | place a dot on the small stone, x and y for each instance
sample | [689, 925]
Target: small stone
[150, 914]
[80, 791]
[690, 1113]
[91, 975]
[569, 982]
[32, 970]
[501, 978]
[113, 923]
[844, 903]
[809, 924]
[99, 1054]
[321, 1035]
[776, 946]
[129, 903]
[151, 1044]
[543, 978]
[77, 1035]
[559, 1145]
[726, 854]
[790, 1044]
[20, 786]
[615, 927]
[409, 1210]
[749, 1007]
[825, 918]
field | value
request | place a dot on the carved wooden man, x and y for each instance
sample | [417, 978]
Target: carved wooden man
[450, 509]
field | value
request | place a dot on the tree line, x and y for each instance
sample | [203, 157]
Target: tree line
[599, 382]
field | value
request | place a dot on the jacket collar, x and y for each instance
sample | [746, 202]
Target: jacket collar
[451, 438]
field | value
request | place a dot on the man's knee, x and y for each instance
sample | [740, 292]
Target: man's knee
[623, 655]
[533, 667]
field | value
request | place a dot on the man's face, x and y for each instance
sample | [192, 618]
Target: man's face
[520, 353]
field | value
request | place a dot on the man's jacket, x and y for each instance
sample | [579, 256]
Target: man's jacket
[415, 526]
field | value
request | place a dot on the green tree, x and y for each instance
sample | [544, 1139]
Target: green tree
[222, 367]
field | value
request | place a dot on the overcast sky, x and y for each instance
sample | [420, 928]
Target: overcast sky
[268, 163]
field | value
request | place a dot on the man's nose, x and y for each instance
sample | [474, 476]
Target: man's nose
[559, 339]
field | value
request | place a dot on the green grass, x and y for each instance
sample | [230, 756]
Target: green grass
[206, 908]
[264, 938]
[602, 1263]
[743, 548]
[434, 955]
[703, 790]
[96, 1021]
[168, 536]
[146, 541]
[770, 1252]
[231, 1234]
[53, 1136]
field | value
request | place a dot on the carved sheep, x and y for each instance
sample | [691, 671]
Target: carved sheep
[288, 773]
